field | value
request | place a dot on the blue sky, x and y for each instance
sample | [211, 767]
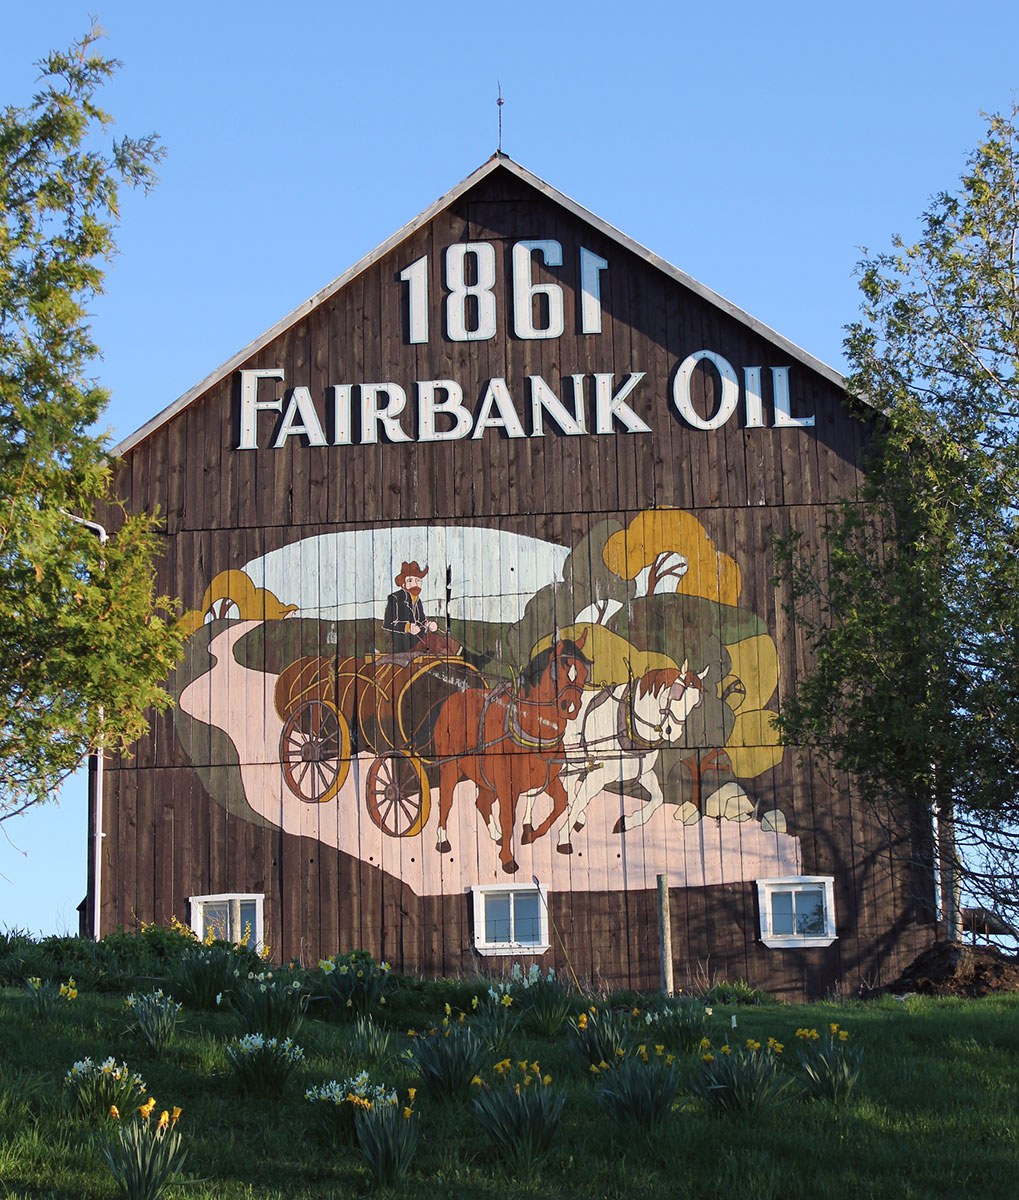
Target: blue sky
[757, 147]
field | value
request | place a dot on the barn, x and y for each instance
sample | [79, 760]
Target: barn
[475, 557]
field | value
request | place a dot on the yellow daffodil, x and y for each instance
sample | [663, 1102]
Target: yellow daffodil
[412, 1094]
[477, 1081]
[546, 1080]
[408, 1113]
[175, 1115]
[164, 1119]
[146, 1109]
[114, 1112]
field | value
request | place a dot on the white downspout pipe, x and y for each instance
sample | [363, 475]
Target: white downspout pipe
[97, 797]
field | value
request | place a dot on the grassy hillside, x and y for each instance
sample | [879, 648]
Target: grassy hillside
[935, 1112]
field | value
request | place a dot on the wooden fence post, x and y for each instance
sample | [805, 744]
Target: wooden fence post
[665, 935]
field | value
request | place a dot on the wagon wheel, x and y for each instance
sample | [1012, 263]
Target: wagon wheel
[397, 794]
[315, 751]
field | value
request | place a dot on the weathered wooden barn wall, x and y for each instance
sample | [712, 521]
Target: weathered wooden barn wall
[187, 815]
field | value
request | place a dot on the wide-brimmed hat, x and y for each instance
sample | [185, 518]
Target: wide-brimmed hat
[410, 568]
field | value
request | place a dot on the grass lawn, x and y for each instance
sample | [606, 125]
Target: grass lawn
[935, 1112]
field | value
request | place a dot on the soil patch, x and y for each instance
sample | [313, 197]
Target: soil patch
[953, 970]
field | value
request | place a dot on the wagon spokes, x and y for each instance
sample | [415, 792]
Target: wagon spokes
[397, 794]
[315, 751]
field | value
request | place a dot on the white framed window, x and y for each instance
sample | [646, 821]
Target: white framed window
[229, 917]
[510, 918]
[798, 910]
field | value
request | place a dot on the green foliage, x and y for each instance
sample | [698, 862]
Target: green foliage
[495, 1019]
[830, 1065]
[545, 1004]
[520, 1115]
[337, 1103]
[145, 1156]
[94, 1088]
[741, 1081]
[679, 1024]
[910, 601]
[44, 996]
[263, 1065]
[155, 1017]
[270, 1003]
[931, 1115]
[352, 985]
[738, 992]
[388, 1139]
[87, 642]
[639, 1094]
[204, 976]
[371, 1040]
[447, 1060]
[602, 1035]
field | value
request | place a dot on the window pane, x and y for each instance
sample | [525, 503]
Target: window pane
[248, 932]
[527, 918]
[810, 912]
[216, 919]
[497, 917]
[782, 913]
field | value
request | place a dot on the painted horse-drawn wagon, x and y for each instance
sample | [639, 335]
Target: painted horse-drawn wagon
[430, 717]
[335, 708]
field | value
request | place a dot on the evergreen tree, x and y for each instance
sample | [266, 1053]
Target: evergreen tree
[84, 640]
[911, 609]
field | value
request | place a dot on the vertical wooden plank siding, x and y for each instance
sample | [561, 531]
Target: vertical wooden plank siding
[186, 816]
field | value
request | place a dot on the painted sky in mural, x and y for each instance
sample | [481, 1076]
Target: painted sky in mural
[457, 704]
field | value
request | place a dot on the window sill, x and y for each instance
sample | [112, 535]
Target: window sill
[797, 943]
[517, 948]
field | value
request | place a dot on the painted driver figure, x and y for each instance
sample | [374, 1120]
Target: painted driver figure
[405, 616]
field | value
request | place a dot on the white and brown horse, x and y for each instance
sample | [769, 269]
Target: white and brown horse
[616, 737]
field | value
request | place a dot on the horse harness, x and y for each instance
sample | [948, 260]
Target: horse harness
[513, 731]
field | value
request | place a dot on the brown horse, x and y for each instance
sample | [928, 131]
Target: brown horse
[508, 742]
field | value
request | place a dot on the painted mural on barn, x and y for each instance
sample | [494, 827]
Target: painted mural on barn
[455, 704]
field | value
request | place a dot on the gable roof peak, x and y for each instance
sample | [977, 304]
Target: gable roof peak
[498, 160]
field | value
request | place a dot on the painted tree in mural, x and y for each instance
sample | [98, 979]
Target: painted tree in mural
[915, 633]
[84, 641]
